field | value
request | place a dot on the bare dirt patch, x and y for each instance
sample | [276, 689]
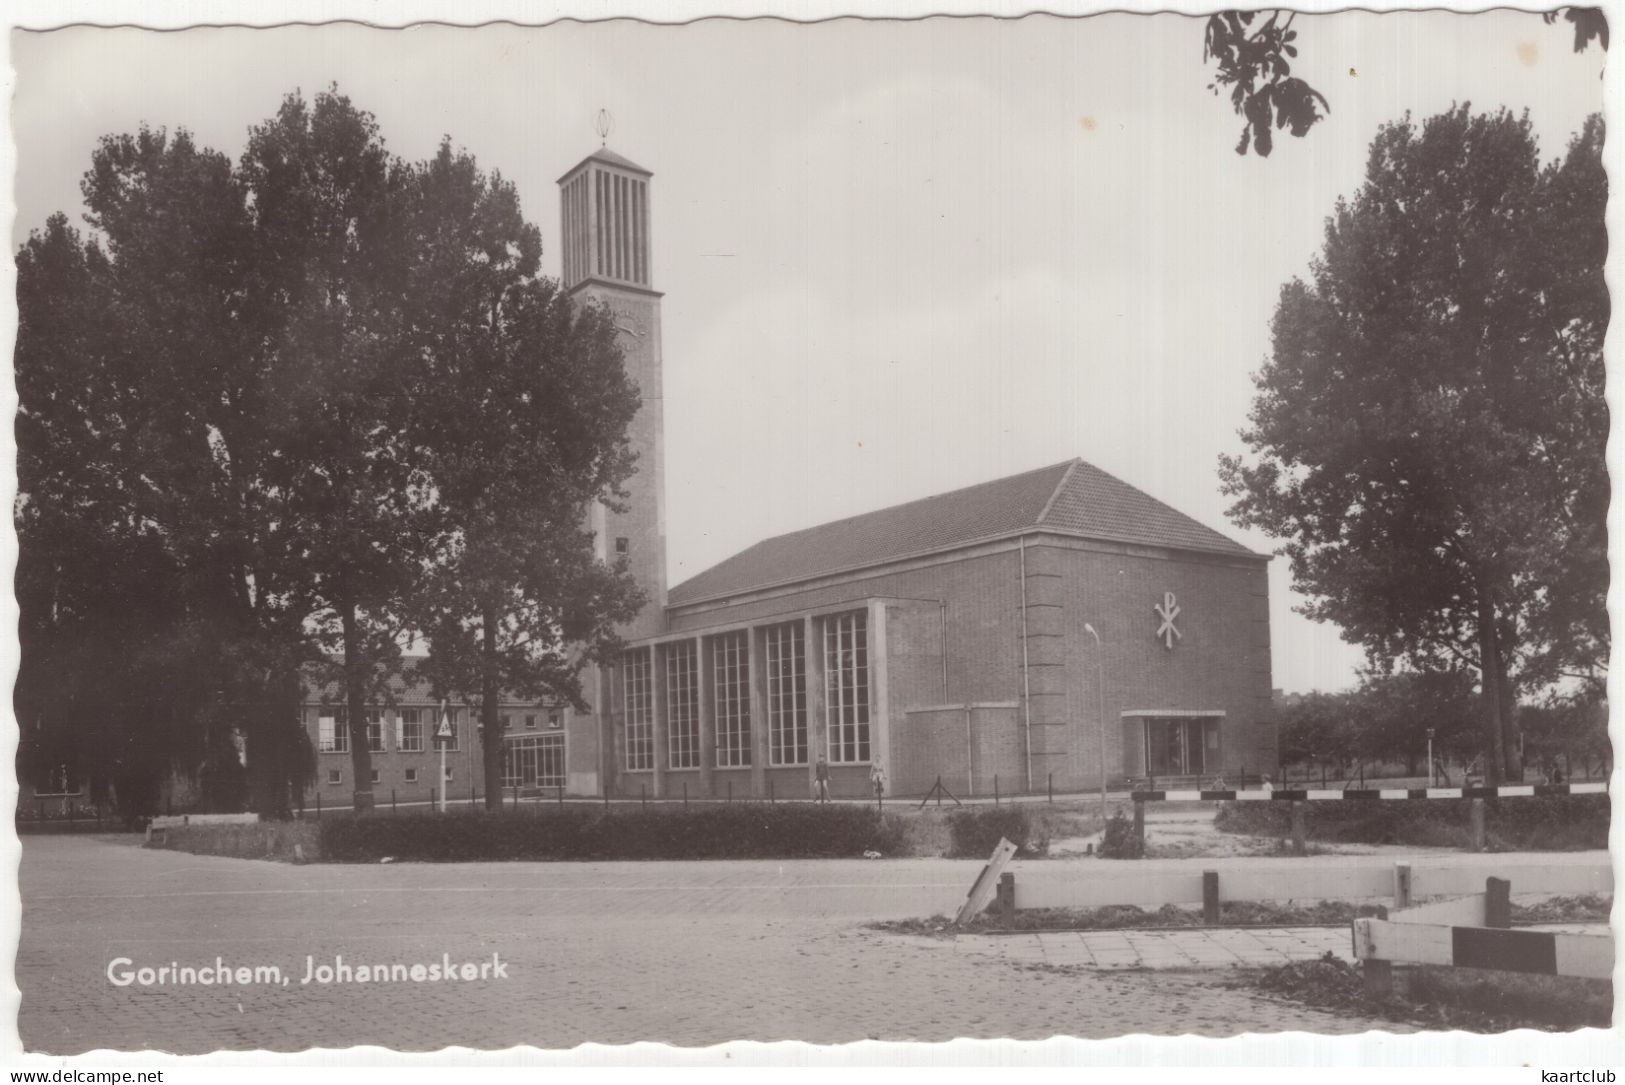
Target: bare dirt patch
[1438, 998]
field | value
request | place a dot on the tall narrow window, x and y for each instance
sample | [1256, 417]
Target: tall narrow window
[640, 732]
[601, 191]
[846, 698]
[620, 227]
[640, 225]
[334, 736]
[375, 730]
[550, 761]
[683, 705]
[732, 655]
[786, 674]
[409, 735]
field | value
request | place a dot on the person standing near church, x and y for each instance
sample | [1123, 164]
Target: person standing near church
[821, 780]
[877, 779]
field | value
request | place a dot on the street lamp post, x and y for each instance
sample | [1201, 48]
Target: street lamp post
[1100, 684]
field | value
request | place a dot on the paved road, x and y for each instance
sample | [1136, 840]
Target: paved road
[686, 953]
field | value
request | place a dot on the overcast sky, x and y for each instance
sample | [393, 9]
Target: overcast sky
[898, 257]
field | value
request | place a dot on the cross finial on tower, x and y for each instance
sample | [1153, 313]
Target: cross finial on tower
[603, 125]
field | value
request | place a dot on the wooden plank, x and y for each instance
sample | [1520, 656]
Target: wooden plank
[1456, 912]
[1405, 942]
[987, 882]
[1463, 879]
[176, 821]
[1504, 950]
[1587, 955]
[1096, 884]
[1289, 881]
[1543, 952]
[1041, 888]
[1057, 885]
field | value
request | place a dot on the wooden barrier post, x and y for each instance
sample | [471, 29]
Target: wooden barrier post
[1007, 897]
[995, 789]
[1052, 789]
[1497, 903]
[1210, 897]
[1299, 846]
[1477, 824]
[1139, 829]
[685, 794]
[561, 794]
[1379, 977]
[1402, 886]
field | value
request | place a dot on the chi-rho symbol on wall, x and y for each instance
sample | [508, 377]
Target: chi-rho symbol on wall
[1168, 611]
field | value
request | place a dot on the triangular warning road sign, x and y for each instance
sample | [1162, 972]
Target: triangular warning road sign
[445, 723]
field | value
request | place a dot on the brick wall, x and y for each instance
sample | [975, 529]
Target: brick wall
[936, 742]
[1221, 661]
[643, 523]
[392, 764]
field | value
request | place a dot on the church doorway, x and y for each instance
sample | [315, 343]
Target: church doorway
[1172, 742]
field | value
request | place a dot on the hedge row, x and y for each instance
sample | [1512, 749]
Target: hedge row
[1554, 823]
[976, 831]
[742, 831]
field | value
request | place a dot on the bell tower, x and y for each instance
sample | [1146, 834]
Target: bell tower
[604, 232]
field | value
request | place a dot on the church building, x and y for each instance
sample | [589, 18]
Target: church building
[1021, 633]
[1041, 631]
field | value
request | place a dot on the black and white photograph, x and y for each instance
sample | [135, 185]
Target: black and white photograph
[848, 531]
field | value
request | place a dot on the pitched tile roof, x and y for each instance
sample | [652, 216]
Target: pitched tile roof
[1072, 498]
[323, 685]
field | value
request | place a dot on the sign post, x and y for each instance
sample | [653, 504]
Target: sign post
[442, 738]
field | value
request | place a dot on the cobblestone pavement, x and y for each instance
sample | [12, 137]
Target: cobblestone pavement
[685, 953]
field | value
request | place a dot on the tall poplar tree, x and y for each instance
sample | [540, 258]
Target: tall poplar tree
[331, 256]
[521, 408]
[1428, 435]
